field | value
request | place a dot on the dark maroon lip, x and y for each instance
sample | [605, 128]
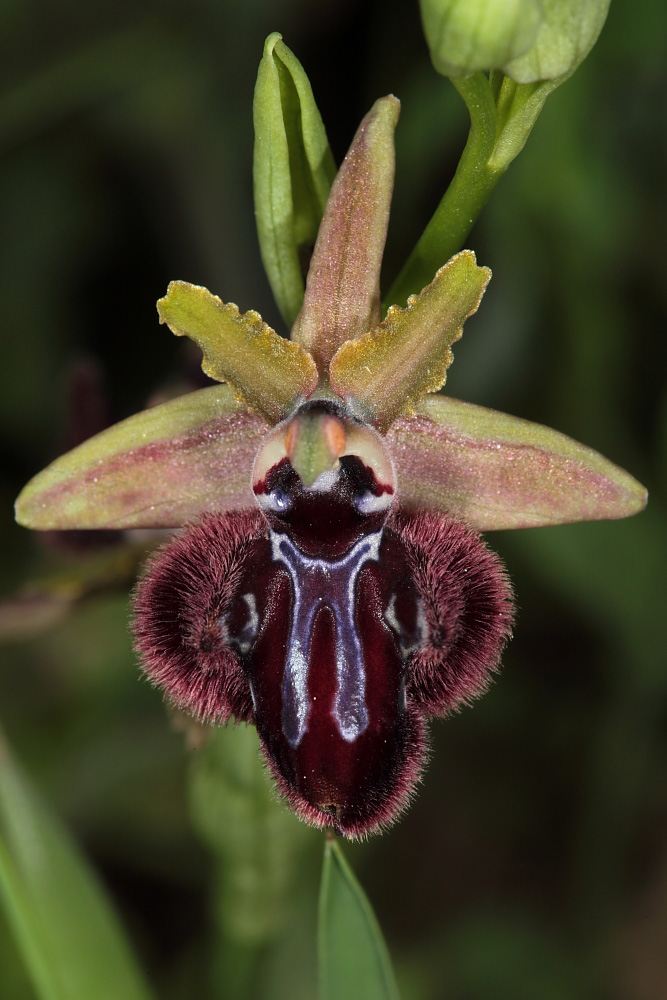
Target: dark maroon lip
[339, 685]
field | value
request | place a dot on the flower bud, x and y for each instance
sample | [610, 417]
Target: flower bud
[478, 34]
[529, 40]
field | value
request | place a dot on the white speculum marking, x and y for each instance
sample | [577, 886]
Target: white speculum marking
[247, 635]
[318, 583]
[408, 641]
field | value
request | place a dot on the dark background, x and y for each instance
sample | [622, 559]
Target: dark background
[534, 862]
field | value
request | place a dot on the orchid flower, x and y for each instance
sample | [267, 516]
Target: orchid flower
[329, 584]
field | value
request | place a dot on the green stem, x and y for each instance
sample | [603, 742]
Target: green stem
[465, 197]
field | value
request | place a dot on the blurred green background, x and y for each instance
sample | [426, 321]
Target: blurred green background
[533, 865]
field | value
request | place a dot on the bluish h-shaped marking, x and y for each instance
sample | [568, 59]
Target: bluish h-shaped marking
[318, 583]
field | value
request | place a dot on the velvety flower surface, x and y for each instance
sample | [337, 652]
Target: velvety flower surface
[329, 584]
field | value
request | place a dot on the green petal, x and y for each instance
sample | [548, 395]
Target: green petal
[72, 943]
[519, 107]
[157, 469]
[268, 373]
[342, 299]
[389, 370]
[495, 471]
[293, 171]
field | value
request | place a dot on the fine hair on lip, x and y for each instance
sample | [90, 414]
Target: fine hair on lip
[468, 607]
[422, 620]
[180, 605]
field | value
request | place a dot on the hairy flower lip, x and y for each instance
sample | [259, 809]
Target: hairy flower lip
[356, 826]
[213, 613]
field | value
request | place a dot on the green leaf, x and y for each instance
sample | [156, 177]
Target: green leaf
[293, 171]
[268, 373]
[72, 943]
[519, 107]
[389, 370]
[494, 471]
[342, 299]
[157, 469]
[353, 957]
